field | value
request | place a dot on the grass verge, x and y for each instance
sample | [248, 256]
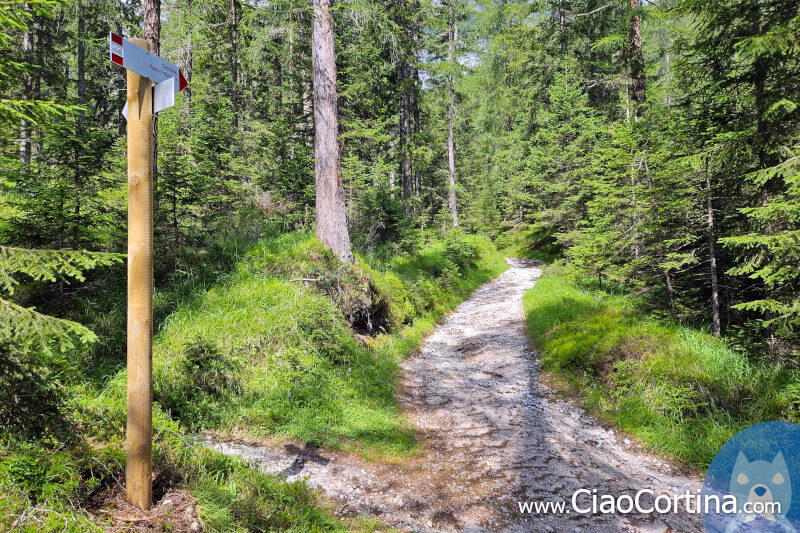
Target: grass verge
[284, 340]
[680, 391]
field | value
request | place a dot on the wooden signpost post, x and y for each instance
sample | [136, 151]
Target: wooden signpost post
[143, 68]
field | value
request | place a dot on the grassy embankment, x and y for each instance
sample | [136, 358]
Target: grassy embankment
[252, 350]
[678, 390]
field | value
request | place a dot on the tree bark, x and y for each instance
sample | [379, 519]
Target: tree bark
[152, 34]
[121, 86]
[405, 123]
[27, 86]
[306, 82]
[81, 59]
[415, 38]
[562, 24]
[712, 241]
[235, 15]
[452, 41]
[668, 60]
[760, 70]
[278, 67]
[391, 172]
[638, 81]
[331, 217]
[36, 135]
[189, 63]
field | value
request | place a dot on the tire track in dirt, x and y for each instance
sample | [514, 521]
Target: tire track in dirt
[491, 435]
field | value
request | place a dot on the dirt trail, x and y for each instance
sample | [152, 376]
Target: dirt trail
[491, 435]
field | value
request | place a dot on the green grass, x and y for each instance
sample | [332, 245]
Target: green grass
[680, 391]
[535, 242]
[298, 369]
[242, 347]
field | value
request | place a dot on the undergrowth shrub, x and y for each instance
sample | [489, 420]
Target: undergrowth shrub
[203, 376]
[460, 251]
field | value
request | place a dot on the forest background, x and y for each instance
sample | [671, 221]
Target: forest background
[650, 147]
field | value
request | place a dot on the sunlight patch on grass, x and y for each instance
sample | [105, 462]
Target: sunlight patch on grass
[680, 391]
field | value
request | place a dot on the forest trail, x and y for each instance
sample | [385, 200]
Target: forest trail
[491, 435]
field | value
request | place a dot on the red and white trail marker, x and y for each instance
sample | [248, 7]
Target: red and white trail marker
[168, 77]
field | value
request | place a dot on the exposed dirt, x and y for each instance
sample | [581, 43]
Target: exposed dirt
[172, 510]
[491, 433]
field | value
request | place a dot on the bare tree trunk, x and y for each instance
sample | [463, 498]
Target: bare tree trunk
[81, 70]
[121, 86]
[715, 321]
[662, 249]
[669, 71]
[639, 83]
[416, 40]
[81, 59]
[152, 34]
[391, 172]
[189, 63]
[562, 23]
[27, 85]
[408, 185]
[306, 82]
[762, 135]
[452, 41]
[36, 135]
[235, 14]
[276, 65]
[331, 218]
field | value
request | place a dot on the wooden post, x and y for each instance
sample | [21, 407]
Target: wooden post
[138, 474]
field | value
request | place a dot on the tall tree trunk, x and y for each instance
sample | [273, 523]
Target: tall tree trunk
[188, 66]
[152, 34]
[662, 248]
[562, 26]
[391, 171]
[452, 41]
[36, 135]
[331, 218]
[235, 15]
[27, 86]
[638, 82]
[121, 91]
[78, 178]
[760, 70]
[712, 242]
[306, 81]
[278, 68]
[415, 105]
[408, 184]
[668, 60]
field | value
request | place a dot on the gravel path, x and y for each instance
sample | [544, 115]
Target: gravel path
[491, 434]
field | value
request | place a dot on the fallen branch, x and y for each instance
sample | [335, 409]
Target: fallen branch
[305, 279]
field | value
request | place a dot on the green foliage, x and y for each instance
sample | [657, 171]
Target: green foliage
[679, 390]
[246, 349]
[27, 328]
[17, 16]
[771, 256]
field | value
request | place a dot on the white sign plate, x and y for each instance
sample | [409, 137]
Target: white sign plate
[128, 55]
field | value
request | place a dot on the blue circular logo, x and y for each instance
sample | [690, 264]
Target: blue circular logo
[753, 483]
